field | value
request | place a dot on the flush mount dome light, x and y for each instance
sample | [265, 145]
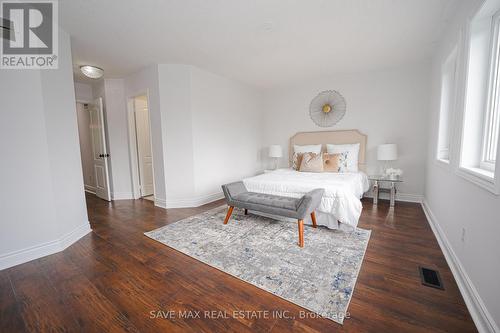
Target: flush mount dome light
[92, 71]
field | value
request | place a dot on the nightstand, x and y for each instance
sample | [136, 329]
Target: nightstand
[377, 179]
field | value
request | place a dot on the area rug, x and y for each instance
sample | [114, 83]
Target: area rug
[319, 277]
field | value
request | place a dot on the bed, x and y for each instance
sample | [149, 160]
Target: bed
[340, 206]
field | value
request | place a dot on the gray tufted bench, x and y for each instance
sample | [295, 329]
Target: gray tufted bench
[237, 195]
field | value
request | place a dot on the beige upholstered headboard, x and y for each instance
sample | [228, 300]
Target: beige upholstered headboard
[335, 137]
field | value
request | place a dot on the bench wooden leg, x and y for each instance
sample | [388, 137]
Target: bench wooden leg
[313, 218]
[228, 215]
[301, 233]
[246, 211]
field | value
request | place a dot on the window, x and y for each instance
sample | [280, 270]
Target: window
[491, 139]
[446, 106]
[481, 121]
[491, 126]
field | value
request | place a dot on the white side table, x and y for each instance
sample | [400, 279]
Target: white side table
[376, 189]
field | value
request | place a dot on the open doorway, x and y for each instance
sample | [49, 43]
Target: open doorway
[142, 148]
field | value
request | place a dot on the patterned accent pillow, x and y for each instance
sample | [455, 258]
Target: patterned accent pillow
[301, 149]
[311, 162]
[296, 160]
[331, 162]
[343, 162]
[353, 149]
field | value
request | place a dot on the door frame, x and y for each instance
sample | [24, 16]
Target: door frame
[133, 149]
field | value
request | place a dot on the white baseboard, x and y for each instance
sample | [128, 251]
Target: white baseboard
[159, 202]
[90, 189]
[480, 314]
[45, 249]
[74, 235]
[195, 201]
[407, 197]
[122, 196]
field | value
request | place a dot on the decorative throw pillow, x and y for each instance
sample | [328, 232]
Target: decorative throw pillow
[299, 150]
[343, 165]
[331, 162]
[311, 162]
[296, 160]
[352, 157]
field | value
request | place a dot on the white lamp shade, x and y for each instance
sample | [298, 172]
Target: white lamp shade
[387, 152]
[275, 151]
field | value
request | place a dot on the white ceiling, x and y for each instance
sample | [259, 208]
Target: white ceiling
[261, 42]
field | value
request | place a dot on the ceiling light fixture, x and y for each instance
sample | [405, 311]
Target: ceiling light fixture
[92, 71]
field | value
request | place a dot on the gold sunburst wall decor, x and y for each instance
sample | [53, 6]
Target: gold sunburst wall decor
[327, 108]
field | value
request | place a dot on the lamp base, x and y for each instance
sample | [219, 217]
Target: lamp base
[383, 168]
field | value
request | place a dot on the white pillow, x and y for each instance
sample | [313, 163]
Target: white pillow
[307, 149]
[352, 156]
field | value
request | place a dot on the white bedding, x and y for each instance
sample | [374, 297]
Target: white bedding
[341, 201]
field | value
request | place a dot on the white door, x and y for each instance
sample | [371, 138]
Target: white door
[100, 154]
[144, 154]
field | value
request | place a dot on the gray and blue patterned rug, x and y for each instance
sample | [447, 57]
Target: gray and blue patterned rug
[319, 277]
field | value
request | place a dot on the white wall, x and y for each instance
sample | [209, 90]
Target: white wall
[390, 106]
[43, 206]
[83, 92]
[98, 89]
[454, 204]
[86, 153]
[177, 132]
[227, 131]
[146, 81]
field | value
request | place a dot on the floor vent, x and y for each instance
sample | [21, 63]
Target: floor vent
[430, 278]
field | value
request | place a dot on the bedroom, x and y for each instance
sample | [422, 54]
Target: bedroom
[230, 89]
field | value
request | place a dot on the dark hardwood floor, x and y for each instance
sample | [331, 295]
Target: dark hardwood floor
[115, 278]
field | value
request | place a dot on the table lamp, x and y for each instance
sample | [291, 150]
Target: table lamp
[275, 152]
[387, 152]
